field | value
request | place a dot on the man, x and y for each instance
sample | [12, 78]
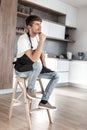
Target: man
[30, 47]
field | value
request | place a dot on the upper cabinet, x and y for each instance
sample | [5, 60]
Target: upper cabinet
[71, 16]
[53, 30]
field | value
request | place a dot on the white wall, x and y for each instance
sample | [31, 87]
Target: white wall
[81, 33]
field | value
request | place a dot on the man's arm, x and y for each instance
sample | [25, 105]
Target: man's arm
[43, 59]
[45, 69]
[35, 55]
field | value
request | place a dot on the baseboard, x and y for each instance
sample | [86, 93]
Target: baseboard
[6, 91]
[78, 85]
[62, 84]
[72, 84]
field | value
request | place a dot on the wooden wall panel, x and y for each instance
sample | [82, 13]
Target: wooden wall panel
[8, 14]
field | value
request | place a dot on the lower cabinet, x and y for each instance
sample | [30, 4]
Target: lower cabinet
[61, 67]
[63, 77]
[78, 72]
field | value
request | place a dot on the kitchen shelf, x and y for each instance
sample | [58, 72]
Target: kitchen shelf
[43, 12]
[20, 32]
[70, 33]
[69, 27]
[22, 14]
[39, 7]
[50, 38]
[62, 40]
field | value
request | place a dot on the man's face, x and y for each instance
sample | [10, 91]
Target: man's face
[36, 27]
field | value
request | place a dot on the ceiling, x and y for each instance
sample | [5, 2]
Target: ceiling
[76, 3]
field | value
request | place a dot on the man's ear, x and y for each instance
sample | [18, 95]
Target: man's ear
[28, 27]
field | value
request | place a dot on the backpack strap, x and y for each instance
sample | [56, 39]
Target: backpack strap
[30, 40]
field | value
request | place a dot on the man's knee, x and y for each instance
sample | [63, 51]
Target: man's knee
[37, 66]
[56, 76]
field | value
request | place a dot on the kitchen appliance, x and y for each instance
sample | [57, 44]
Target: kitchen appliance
[81, 55]
[69, 55]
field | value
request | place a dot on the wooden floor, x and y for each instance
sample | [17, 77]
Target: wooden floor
[71, 113]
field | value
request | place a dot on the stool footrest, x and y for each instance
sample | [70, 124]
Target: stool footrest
[37, 109]
[16, 102]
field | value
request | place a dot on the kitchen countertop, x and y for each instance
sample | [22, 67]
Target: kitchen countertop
[74, 60]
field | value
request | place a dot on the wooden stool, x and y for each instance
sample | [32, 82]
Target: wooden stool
[21, 83]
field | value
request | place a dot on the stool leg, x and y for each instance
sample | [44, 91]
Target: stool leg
[30, 104]
[26, 106]
[13, 97]
[41, 85]
[49, 116]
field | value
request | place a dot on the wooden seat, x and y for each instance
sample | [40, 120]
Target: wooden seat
[21, 83]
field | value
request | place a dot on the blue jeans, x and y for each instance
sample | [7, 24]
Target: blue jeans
[35, 73]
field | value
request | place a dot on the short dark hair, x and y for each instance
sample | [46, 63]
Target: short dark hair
[30, 19]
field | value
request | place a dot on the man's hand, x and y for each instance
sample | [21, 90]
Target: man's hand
[42, 37]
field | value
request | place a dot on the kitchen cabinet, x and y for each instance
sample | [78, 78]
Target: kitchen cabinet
[63, 77]
[7, 39]
[78, 72]
[61, 67]
[72, 72]
[53, 30]
[51, 63]
[71, 17]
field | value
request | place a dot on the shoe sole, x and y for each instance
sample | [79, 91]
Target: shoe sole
[46, 107]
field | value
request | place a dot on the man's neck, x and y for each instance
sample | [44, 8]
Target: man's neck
[32, 34]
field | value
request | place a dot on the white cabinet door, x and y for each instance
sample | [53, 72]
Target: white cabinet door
[63, 77]
[51, 63]
[71, 16]
[78, 72]
[53, 30]
[45, 28]
[63, 71]
[56, 30]
[62, 66]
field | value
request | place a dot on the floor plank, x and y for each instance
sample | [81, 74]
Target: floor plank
[71, 113]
